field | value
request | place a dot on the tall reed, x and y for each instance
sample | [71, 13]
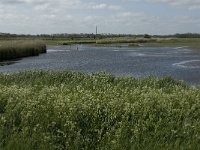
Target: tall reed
[18, 49]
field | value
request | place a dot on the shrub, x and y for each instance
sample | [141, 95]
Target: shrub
[66, 110]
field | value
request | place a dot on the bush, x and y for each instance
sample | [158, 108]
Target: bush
[66, 110]
[147, 36]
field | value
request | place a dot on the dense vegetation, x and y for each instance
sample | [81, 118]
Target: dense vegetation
[20, 48]
[65, 110]
[187, 35]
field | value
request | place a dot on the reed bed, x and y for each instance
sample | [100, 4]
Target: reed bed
[68, 110]
[18, 49]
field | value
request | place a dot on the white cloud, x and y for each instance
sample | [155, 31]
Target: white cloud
[75, 16]
[93, 5]
[189, 4]
[73, 4]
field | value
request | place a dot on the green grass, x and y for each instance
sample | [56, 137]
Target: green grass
[193, 42]
[124, 40]
[20, 48]
[70, 42]
[152, 42]
[156, 42]
[66, 110]
[99, 41]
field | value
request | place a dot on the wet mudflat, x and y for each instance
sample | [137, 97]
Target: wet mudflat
[178, 62]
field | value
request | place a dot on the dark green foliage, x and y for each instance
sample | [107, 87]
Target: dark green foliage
[147, 36]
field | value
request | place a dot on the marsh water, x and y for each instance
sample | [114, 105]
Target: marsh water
[117, 59]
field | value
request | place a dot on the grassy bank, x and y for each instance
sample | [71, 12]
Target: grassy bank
[20, 48]
[124, 40]
[70, 42]
[156, 42]
[99, 41]
[195, 43]
[148, 42]
[65, 110]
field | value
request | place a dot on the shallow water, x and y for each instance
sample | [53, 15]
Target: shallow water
[177, 62]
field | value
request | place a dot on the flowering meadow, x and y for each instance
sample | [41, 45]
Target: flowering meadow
[46, 110]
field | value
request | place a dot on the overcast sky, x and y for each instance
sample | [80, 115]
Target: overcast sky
[111, 16]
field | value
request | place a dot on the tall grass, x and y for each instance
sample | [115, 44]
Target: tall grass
[65, 110]
[18, 48]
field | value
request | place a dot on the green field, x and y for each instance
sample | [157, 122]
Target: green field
[66, 110]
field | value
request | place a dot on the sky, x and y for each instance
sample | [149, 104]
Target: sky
[159, 17]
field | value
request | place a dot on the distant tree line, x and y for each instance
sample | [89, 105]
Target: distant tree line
[188, 35]
[91, 35]
[62, 35]
[178, 35]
